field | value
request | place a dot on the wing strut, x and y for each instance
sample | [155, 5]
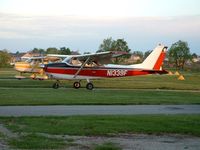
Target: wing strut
[81, 67]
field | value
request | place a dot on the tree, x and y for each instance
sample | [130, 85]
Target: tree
[17, 53]
[138, 54]
[121, 45]
[38, 50]
[65, 51]
[179, 53]
[146, 54]
[52, 50]
[115, 45]
[194, 55]
[87, 53]
[107, 45]
[4, 58]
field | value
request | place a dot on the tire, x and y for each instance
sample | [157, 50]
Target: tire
[89, 86]
[77, 85]
[55, 85]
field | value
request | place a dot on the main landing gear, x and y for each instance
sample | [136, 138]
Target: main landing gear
[56, 85]
[89, 85]
[76, 85]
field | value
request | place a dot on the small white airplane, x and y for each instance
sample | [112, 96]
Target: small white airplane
[33, 65]
[95, 66]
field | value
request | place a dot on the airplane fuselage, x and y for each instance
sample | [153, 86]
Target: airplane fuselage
[25, 67]
[89, 67]
[64, 71]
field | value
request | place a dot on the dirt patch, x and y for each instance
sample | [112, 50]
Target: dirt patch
[133, 141]
[144, 142]
[3, 145]
[7, 132]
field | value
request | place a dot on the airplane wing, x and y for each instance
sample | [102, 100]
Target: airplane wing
[101, 57]
[37, 57]
[61, 56]
[56, 57]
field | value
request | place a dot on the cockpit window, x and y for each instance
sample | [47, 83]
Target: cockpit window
[57, 65]
[28, 60]
[76, 62]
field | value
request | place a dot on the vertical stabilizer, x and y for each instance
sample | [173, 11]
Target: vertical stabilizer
[155, 59]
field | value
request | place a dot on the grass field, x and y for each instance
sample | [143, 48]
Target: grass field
[107, 91]
[46, 96]
[105, 125]
[152, 89]
[192, 82]
[29, 129]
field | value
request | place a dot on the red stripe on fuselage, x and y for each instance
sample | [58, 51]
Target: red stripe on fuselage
[98, 72]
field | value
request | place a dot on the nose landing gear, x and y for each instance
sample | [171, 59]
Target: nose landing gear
[56, 85]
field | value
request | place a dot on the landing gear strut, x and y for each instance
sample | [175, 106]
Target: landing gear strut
[77, 85]
[56, 85]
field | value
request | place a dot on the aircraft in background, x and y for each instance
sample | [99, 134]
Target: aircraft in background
[33, 65]
[95, 66]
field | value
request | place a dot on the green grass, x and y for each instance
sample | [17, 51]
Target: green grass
[192, 82]
[31, 92]
[34, 92]
[33, 141]
[7, 72]
[106, 125]
[45, 96]
[29, 129]
[1, 135]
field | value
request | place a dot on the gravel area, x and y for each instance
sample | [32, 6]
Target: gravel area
[142, 142]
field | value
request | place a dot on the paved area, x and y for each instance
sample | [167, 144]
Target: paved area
[97, 110]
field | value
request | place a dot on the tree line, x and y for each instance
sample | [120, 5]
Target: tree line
[52, 50]
[178, 54]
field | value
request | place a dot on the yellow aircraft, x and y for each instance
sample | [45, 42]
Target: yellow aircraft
[33, 65]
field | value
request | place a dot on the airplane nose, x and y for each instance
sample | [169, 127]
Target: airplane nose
[45, 67]
[12, 64]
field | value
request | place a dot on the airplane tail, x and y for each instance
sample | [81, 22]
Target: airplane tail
[155, 59]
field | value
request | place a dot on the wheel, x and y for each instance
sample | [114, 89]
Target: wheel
[77, 85]
[55, 85]
[89, 86]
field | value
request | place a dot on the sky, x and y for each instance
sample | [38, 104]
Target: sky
[83, 24]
